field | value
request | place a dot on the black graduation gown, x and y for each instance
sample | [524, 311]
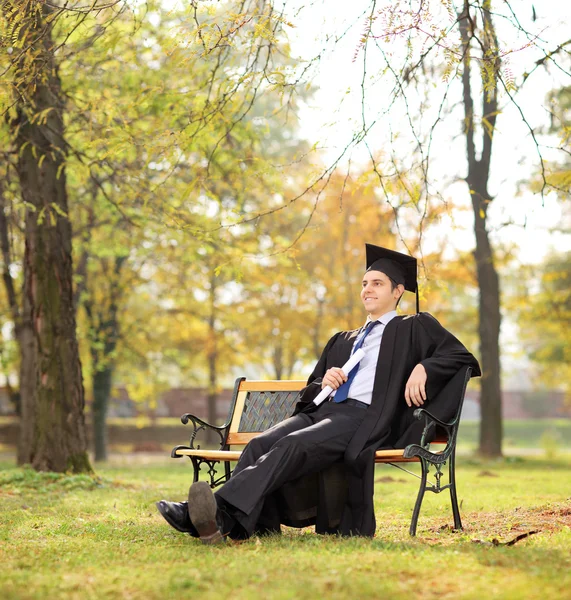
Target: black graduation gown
[340, 499]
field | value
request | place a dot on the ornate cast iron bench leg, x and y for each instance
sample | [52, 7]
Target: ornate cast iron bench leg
[438, 460]
[419, 498]
[195, 468]
[453, 495]
[436, 488]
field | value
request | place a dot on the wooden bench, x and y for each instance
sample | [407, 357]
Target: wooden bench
[258, 405]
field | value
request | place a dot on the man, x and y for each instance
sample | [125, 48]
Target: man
[317, 466]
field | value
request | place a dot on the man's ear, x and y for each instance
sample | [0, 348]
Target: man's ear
[400, 288]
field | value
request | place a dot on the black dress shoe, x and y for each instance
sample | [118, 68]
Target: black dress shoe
[176, 515]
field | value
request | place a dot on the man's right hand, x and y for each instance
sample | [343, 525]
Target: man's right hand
[333, 378]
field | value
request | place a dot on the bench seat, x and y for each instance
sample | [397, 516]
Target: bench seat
[381, 456]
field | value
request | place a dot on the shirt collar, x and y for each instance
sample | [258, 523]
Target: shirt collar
[384, 319]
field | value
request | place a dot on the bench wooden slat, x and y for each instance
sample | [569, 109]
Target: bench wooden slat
[240, 400]
[381, 456]
[272, 386]
[222, 455]
[390, 452]
[240, 439]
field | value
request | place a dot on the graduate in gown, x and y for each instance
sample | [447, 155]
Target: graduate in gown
[317, 467]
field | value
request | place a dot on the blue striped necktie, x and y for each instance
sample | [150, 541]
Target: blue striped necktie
[342, 392]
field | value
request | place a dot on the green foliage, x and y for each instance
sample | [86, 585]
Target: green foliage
[557, 173]
[542, 304]
[551, 443]
[175, 134]
[15, 481]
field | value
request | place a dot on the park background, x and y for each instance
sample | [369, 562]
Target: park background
[185, 193]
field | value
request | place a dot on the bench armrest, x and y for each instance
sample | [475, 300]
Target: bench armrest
[413, 450]
[422, 449]
[419, 412]
[199, 424]
[197, 420]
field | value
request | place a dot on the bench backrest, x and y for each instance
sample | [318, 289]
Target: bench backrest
[259, 405]
[250, 412]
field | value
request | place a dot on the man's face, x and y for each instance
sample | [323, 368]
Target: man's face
[377, 294]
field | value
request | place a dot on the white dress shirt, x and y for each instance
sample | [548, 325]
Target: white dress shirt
[361, 387]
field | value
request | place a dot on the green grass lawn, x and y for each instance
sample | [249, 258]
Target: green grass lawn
[66, 537]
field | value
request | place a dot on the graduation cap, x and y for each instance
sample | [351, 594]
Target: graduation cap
[401, 268]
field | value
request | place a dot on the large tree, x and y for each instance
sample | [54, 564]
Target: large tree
[144, 146]
[484, 37]
[52, 397]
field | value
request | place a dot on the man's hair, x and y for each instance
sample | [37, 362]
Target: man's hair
[394, 285]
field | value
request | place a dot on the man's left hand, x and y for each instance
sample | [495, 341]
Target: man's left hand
[415, 390]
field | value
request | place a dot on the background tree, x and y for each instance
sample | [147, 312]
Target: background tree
[10, 291]
[141, 149]
[478, 175]
[52, 421]
[559, 172]
[543, 306]
[297, 301]
[540, 295]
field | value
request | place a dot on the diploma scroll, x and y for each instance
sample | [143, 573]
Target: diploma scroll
[353, 361]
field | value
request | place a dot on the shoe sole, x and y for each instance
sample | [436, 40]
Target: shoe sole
[202, 511]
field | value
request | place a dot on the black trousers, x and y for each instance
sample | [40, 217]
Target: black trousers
[298, 446]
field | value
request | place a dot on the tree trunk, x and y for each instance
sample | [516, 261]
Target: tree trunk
[28, 362]
[348, 268]
[53, 427]
[278, 357]
[103, 338]
[102, 381]
[491, 428]
[22, 332]
[212, 355]
[316, 329]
